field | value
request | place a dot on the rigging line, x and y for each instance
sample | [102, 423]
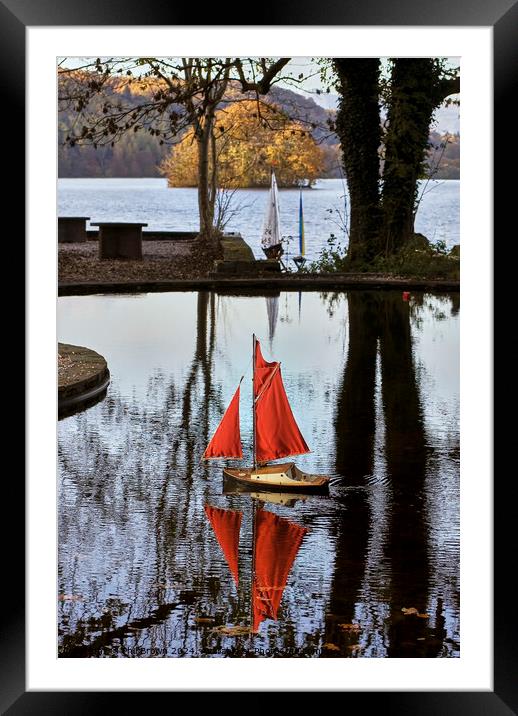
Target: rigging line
[270, 378]
[246, 369]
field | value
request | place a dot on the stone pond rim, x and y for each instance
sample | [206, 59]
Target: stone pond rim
[239, 284]
[82, 381]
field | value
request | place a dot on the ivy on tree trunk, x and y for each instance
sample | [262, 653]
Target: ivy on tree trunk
[381, 224]
[358, 127]
[412, 101]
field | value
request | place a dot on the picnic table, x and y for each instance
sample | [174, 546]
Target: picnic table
[72, 229]
[120, 240]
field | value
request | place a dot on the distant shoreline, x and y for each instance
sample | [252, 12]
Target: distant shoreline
[163, 179]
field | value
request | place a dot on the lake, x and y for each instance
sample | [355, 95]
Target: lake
[164, 209]
[373, 381]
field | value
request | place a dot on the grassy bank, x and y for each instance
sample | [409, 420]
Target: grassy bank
[419, 259]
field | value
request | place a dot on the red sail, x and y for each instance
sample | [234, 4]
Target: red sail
[226, 525]
[276, 432]
[226, 441]
[263, 369]
[277, 542]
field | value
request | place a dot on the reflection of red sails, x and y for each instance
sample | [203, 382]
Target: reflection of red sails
[277, 542]
[226, 525]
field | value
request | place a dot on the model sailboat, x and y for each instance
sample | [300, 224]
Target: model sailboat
[276, 542]
[276, 435]
[271, 241]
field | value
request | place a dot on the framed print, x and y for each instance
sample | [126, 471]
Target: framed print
[75, 676]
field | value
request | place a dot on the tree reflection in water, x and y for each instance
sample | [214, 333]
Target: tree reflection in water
[138, 568]
[380, 330]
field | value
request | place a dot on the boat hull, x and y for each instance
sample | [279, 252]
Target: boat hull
[283, 478]
[273, 252]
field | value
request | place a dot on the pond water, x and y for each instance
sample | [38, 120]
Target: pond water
[150, 200]
[373, 381]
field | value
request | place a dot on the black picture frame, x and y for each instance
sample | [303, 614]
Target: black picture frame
[502, 15]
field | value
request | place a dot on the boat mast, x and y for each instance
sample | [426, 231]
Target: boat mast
[252, 579]
[253, 398]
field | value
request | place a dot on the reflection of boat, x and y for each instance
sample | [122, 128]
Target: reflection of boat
[271, 241]
[286, 499]
[276, 435]
[272, 311]
[276, 542]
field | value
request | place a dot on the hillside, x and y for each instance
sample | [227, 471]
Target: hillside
[139, 155]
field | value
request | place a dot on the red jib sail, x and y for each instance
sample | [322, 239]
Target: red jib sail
[226, 441]
[276, 432]
[226, 525]
[277, 542]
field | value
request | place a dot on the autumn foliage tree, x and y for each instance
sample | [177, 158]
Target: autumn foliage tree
[249, 143]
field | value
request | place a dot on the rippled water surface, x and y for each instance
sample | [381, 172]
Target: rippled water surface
[373, 382]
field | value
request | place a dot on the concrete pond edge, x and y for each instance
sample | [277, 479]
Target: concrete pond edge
[237, 285]
[83, 381]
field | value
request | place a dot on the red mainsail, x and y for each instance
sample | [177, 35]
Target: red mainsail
[226, 525]
[276, 431]
[226, 441]
[263, 369]
[277, 542]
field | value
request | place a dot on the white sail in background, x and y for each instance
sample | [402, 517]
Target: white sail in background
[272, 225]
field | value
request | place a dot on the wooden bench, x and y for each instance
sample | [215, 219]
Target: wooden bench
[72, 229]
[119, 240]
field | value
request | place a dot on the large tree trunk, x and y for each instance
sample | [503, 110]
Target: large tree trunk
[213, 185]
[205, 205]
[358, 126]
[207, 162]
[413, 99]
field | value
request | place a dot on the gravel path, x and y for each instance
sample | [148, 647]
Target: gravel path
[162, 260]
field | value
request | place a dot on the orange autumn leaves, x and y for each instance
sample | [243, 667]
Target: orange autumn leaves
[250, 141]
